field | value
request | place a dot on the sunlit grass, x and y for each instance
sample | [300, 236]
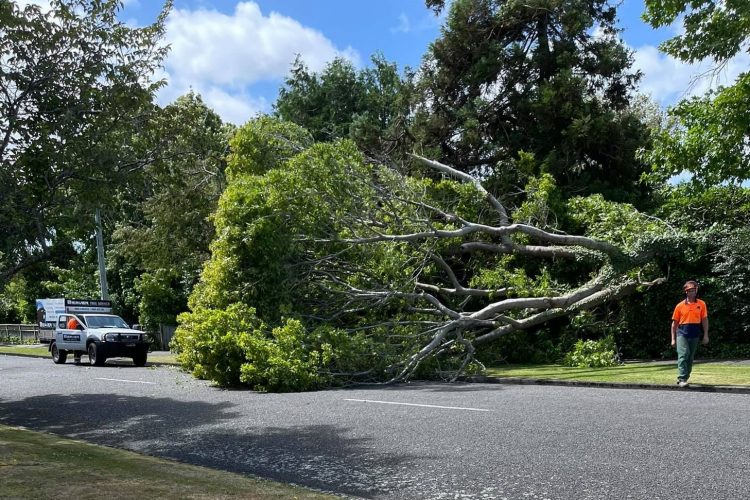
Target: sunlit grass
[38, 465]
[43, 352]
[709, 373]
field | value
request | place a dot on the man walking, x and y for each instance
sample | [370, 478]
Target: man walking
[689, 324]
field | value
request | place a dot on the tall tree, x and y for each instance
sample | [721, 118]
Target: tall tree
[709, 135]
[161, 225]
[75, 83]
[370, 106]
[548, 78]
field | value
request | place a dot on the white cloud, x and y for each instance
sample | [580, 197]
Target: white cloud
[221, 56]
[243, 48]
[403, 24]
[235, 108]
[427, 22]
[668, 80]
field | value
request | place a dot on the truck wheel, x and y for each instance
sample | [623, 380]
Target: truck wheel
[140, 359]
[94, 356]
[58, 355]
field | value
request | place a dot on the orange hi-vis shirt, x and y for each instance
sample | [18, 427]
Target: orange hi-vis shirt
[689, 317]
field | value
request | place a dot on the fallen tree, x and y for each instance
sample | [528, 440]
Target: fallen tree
[465, 315]
[367, 274]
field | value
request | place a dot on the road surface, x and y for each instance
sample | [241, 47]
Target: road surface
[422, 440]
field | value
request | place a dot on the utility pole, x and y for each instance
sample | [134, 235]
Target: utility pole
[100, 253]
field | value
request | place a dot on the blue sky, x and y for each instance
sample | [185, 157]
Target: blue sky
[236, 53]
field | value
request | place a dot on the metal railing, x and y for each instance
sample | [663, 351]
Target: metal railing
[18, 333]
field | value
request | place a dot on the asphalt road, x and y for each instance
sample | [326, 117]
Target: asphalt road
[410, 441]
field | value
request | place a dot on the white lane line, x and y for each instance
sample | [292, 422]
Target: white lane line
[414, 404]
[123, 380]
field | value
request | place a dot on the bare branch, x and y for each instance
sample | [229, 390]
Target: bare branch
[467, 178]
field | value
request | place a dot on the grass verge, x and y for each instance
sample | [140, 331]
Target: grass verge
[42, 352]
[39, 465]
[704, 373]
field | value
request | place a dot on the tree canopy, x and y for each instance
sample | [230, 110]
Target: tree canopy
[75, 83]
[370, 106]
[419, 271]
[548, 80]
[382, 224]
[708, 136]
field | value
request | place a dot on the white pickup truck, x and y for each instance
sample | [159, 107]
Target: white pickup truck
[100, 336]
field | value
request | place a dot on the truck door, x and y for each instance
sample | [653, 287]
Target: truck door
[69, 339]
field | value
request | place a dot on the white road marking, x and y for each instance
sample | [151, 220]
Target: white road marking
[414, 404]
[122, 380]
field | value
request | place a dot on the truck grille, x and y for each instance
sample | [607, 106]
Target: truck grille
[123, 337]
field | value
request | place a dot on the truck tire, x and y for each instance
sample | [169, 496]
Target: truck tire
[95, 357]
[140, 359]
[58, 355]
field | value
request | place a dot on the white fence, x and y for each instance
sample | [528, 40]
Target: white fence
[18, 333]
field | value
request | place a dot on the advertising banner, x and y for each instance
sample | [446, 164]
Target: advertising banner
[88, 306]
[47, 311]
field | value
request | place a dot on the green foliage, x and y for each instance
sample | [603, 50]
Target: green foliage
[282, 362]
[505, 274]
[592, 354]
[370, 106]
[15, 306]
[543, 205]
[537, 346]
[160, 298]
[160, 228]
[74, 281]
[264, 144]
[257, 254]
[707, 136]
[726, 351]
[511, 76]
[714, 29]
[234, 347]
[618, 223]
[208, 342]
[78, 83]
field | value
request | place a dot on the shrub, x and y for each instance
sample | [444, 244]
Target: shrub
[592, 354]
[208, 342]
[234, 347]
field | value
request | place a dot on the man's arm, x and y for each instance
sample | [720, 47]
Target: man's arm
[674, 333]
[704, 322]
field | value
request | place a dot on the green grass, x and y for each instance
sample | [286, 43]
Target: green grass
[38, 465]
[43, 352]
[708, 373]
[24, 349]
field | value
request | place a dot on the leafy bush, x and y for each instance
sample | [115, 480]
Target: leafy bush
[208, 342]
[592, 354]
[233, 347]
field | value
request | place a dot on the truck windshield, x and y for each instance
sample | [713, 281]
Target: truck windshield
[105, 322]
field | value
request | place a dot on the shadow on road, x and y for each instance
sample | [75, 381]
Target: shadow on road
[326, 457]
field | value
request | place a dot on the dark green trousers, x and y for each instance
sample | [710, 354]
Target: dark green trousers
[686, 348]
